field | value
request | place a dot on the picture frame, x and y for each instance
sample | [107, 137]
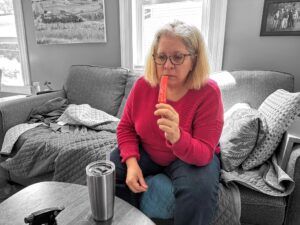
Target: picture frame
[281, 18]
[69, 21]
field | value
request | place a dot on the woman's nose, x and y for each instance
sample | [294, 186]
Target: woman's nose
[168, 64]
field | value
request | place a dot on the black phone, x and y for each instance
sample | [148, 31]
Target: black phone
[44, 216]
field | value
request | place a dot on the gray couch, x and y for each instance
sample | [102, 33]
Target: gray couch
[107, 89]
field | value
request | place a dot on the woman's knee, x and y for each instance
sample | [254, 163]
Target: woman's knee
[198, 192]
[199, 183]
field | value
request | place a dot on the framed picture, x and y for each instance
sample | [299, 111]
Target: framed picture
[280, 18]
[69, 21]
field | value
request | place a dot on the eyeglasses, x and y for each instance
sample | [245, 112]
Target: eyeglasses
[177, 59]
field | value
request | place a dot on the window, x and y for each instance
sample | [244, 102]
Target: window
[139, 20]
[13, 53]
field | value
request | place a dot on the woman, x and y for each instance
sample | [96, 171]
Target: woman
[180, 137]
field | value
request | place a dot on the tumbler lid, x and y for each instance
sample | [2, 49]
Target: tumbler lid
[100, 168]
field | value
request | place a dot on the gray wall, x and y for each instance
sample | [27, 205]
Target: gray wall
[52, 62]
[244, 49]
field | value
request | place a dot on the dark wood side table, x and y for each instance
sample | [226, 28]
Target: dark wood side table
[290, 138]
[73, 197]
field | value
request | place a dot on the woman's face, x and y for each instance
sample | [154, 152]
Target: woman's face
[173, 46]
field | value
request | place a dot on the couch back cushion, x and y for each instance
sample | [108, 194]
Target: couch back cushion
[243, 86]
[100, 87]
[132, 77]
[251, 87]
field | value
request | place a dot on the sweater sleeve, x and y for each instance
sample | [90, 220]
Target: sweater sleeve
[198, 147]
[126, 134]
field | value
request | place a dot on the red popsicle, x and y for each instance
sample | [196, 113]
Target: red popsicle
[162, 95]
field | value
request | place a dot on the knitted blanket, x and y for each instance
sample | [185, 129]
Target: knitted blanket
[268, 178]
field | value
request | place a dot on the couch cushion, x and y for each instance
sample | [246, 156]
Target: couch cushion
[252, 87]
[280, 110]
[102, 88]
[261, 209]
[132, 77]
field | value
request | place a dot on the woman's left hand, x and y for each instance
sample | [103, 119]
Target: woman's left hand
[169, 121]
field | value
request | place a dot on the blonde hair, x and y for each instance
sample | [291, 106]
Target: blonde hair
[193, 41]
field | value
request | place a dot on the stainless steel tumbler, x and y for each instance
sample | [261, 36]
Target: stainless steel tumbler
[101, 177]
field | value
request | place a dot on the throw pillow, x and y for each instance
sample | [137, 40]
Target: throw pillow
[235, 107]
[243, 130]
[280, 109]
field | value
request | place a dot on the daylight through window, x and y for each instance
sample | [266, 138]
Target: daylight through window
[140, 19]
[161, 12]
[13, 58]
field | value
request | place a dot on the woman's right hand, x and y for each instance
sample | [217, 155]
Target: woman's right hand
[135, 179]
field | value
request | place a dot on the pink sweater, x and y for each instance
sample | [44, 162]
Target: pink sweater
[201, 123]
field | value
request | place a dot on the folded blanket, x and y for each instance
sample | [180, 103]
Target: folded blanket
[292, 161]
[85, 115]
[268, 178]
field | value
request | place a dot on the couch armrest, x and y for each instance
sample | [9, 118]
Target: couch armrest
[293, 205]
[17, 111]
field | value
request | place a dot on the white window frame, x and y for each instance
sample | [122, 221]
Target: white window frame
[21, 37]
[212, 29]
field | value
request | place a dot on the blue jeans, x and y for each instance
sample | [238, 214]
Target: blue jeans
[195, 188]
